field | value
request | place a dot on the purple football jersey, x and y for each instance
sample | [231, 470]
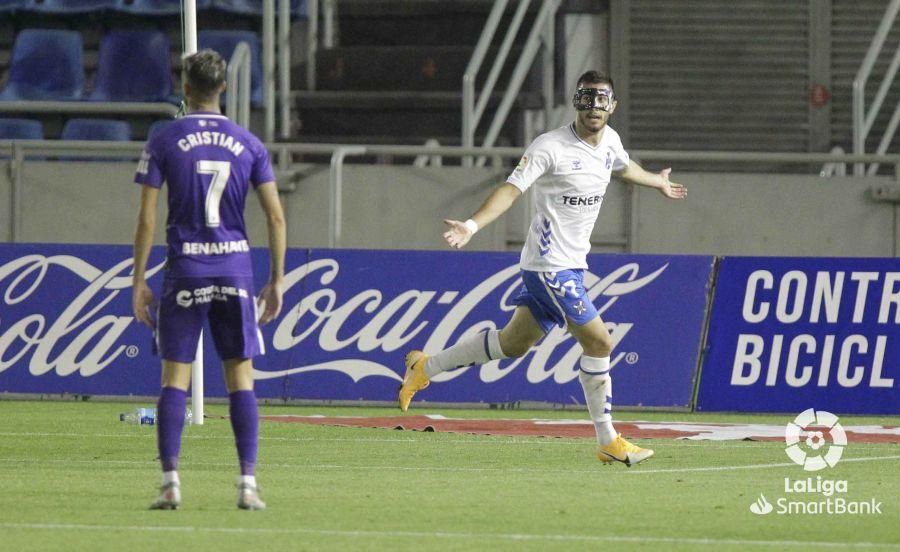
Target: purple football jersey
[209, 164]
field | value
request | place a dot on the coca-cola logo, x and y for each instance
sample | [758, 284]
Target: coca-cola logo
[319, 319]
[80, 333]
[79, 338]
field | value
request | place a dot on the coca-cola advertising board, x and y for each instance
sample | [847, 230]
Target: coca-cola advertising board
[349, 318]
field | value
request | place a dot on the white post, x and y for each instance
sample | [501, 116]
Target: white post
[190, 47]
[190, 26]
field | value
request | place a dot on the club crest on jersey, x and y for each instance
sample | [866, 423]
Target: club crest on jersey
[608, 159]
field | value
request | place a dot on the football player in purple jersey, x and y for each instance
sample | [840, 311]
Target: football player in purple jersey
[209, 164]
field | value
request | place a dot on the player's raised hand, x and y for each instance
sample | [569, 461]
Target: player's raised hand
[671, 190]
[458, 234]
[269, 302]
[142, 301]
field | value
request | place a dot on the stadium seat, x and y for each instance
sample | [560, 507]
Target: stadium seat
[133, 66]
[45, 65]
[12, 5]
[21, 129]
[68, 6]
[254, 7]
[225, 42]
[96, 129]
[156, 7]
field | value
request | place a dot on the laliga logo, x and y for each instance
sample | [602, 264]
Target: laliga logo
[815, 440]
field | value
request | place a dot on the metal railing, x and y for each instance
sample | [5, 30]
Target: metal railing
[340, 152]
[541, 32]
[282, 39]
[237, 102]
[78, 107]
[862, 119]
[276, 44]
[20, 150]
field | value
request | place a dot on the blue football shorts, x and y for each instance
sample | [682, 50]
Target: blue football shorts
[226, 303]
[556, 298]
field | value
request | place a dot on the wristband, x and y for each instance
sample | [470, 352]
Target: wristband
[472, 226]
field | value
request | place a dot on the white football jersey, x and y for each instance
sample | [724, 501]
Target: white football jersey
[570, 178]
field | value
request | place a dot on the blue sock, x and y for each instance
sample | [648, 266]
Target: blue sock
[169, 425]
[245, 423]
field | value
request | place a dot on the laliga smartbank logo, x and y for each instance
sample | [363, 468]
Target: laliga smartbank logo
[815, 440]
[820, 455]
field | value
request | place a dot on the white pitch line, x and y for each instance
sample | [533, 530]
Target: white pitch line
[487, 440]
[448, 535]
[505, 469]
[760, 466]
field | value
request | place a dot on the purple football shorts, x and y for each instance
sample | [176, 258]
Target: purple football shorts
[228, 304]
[556, 298]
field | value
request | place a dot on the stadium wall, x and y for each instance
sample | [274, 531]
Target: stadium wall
[403, 207]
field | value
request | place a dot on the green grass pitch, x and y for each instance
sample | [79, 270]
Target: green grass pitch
[74, 478]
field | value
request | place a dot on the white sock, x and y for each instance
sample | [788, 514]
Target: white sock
[170, 477]
[597, 386]
[249, 480]
[475, 349]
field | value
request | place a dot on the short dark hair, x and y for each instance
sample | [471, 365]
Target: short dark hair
[594, 77]
[204, 71]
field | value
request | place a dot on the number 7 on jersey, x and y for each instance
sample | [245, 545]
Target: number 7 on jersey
[220, 171]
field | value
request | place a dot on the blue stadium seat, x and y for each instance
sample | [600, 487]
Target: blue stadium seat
[68, 6]
[12, 5]
[254, 7]
[21, 129]
[45, 65]
[96, 129]
[133, 66]
[156, 7]
[225, 42]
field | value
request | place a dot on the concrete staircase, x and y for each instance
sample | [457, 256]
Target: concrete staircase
[396, 77]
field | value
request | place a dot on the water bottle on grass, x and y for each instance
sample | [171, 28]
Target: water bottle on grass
[147, 416]
[139, 416]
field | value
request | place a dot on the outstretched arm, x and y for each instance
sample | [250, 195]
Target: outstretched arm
[271, 295]
[495, 205]
[141, 295]
[635, 174]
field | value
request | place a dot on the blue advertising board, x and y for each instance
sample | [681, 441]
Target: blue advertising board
[787, 334]
[349, 318]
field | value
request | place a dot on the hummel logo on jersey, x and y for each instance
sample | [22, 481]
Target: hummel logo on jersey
[576, 165]
[608, 159]
[545, 235]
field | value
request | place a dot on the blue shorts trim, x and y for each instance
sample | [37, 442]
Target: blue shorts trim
[556, 298]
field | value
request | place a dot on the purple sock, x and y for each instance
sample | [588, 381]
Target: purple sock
[245, 423]
[169, 425]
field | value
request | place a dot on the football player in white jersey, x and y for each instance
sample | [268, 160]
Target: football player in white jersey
[569, 169]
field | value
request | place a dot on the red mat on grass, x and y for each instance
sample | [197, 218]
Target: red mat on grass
[584, 429]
